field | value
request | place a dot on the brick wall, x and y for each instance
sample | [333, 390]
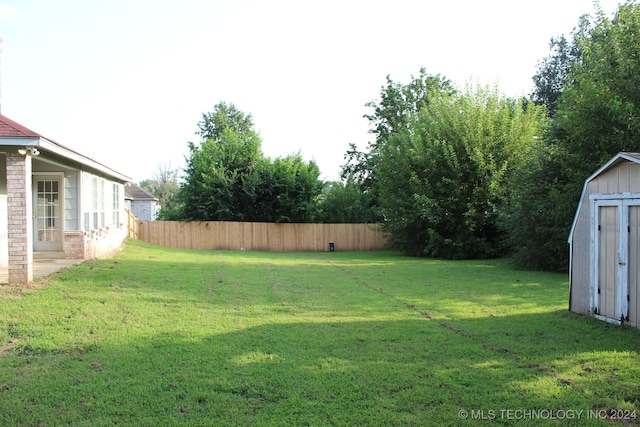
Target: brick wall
[19, 224]
[95, 244]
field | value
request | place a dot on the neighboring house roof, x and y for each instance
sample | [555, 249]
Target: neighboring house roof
[14, 134]
[134, 192]
[618, 158]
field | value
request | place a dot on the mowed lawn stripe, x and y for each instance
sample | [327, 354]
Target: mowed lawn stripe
[522, 316]
[159, 336]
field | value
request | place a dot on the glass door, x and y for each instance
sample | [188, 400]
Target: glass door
[47, 220]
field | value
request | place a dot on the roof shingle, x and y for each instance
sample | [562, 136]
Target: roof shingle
[135, 192]
[10, 128]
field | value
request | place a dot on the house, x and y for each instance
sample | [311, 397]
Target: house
[140, 202]
[604, 244]
[54, 199]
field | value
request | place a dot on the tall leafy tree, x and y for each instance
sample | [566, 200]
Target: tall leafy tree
[538, 211]
[442, 180]
[391, 114]
[600, 109]
[288, 190]
[222, 170]
[595, 115]
[225, 116]
[552, 73]
[221, 177]
[345, 202]
[164, 185]
[227, 177]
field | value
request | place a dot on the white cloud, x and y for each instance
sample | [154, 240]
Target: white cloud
[7, 12]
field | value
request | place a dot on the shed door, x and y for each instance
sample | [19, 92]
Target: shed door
[608, 233]
[634, 265]
[617, 250]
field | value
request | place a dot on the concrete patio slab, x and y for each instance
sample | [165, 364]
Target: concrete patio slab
[42, 266]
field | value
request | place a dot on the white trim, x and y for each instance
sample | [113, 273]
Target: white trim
[58, 176]
[594, 252]
[615, 196]
[608, 320]
[626, 156]
[622, 277]
[19, 140]
[77, 157]
[623, 261]
[67, 153]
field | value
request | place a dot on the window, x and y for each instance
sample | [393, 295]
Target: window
[95, 198]
[116, 204]
[100, 202]
[86, 202]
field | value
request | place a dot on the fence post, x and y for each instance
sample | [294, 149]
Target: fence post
[132, 224]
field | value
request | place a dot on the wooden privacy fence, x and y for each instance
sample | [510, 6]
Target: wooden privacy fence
[132, 224]
[261, 236]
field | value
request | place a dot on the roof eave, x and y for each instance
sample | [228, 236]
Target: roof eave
[632, 157]
[55, 148]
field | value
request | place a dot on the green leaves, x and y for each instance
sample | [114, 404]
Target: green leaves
[229, 179]
[596, 115]
[288, 190]
[601, 108]
[443, 180]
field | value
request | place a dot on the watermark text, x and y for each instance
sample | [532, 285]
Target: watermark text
[547, 414]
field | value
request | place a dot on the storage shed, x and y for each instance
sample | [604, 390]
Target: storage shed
[604, 244]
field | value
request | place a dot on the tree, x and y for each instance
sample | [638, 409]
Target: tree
[288, 190]
[535, 214]
[220, 178]
[595, 116]
[227, 178]
[398, 103]
[346, 203]
[442, 180]
[554, 71]
[164, 185]
[225, 116]
[600, 109]
[221, 171]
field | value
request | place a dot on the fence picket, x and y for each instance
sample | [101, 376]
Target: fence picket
[260, 236]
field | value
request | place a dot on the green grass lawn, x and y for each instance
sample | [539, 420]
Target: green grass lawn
[158, 336]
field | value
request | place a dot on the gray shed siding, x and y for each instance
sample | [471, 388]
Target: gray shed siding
[581, 262]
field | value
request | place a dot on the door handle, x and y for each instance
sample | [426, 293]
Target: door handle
[622, 263]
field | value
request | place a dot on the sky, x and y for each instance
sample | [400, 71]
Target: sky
[126, 82]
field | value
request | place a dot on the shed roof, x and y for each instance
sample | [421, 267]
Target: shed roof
[617, 159]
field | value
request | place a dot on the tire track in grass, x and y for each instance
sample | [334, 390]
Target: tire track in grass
[381, 291]
[504, 352]
[8, 346]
